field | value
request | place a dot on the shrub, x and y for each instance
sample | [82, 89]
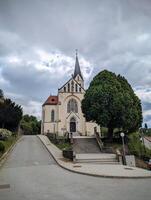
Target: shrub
[5, 132]
[137, 148]
[30, 125]
[2, 147]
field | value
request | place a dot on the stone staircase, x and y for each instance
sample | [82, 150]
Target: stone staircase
[87, 150]
[85, 145]
[99, 158]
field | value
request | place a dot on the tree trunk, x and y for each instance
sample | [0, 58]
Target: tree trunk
[110, 134]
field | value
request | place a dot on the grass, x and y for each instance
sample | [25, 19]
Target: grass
[64, 146]
[60, 141]
[11, 140]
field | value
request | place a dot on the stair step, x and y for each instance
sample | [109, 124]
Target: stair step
[103, 160]
[85, 145]
[97, 162]
[95, 156]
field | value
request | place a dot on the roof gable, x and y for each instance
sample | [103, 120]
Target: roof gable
[70, 81]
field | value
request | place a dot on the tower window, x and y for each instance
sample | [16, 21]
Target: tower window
[76, 88]
[72, 106]
[52, 116]
[80, 88]
[72, 86]
[64, 89]
[68, 87]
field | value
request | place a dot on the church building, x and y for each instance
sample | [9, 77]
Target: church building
[62, 113]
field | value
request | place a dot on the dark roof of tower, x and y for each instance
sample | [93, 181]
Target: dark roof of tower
[77, 69]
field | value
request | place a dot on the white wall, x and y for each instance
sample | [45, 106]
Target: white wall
[48, 125]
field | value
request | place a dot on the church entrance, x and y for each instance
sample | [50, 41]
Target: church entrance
[72, 125]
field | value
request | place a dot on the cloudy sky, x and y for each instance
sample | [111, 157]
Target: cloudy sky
[38, 39]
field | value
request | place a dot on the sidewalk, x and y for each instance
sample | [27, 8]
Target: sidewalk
[110, 171]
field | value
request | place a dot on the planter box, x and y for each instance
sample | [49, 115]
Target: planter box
[68, 154]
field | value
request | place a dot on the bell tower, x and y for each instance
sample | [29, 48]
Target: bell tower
[77, 72]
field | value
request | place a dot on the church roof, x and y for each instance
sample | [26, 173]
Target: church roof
[52, 100]
[77, 69]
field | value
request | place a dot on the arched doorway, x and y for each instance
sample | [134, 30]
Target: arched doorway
[72, 125]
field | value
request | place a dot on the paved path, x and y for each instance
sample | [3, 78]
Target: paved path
[101, 170]
[32, 174]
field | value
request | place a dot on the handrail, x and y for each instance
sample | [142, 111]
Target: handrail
[99, 141]
[119, 156]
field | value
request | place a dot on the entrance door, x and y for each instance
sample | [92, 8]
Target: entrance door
[72, 125]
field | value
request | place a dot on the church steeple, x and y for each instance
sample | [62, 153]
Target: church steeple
[77, 70]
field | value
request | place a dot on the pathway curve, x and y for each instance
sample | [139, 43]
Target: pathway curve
[30, 173]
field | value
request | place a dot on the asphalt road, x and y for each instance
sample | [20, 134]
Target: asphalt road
[30, 173]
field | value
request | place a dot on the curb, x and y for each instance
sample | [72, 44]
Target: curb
[6, 154]
[89, 174]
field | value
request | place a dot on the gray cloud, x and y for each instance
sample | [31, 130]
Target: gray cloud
[115, 35]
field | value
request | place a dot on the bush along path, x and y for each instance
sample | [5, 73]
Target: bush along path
[137, 148]
[7, 141]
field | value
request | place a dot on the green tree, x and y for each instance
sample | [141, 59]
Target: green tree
[1, 97]
[145, 126]
[30, 125]
[10, 114]
[111, 102]
[1, 94]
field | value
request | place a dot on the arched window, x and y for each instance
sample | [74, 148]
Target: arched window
[80, 88]
[72, 106]
[76, 88]
[72, 86]
[68, 87]
[43, 114]
[52, 116]
[64, 89]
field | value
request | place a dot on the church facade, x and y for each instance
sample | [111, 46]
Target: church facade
[62, 113]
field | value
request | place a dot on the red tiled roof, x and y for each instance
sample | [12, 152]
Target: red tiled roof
[52, 100]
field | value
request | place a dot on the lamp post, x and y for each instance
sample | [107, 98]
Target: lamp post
[122, 135]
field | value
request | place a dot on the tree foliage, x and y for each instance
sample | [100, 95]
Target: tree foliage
[137, 148]
[30, 125]
[111, 102]
[1, 94]
[10, 114]
[146, 126]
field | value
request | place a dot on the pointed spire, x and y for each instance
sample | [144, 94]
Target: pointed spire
[77, 67]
